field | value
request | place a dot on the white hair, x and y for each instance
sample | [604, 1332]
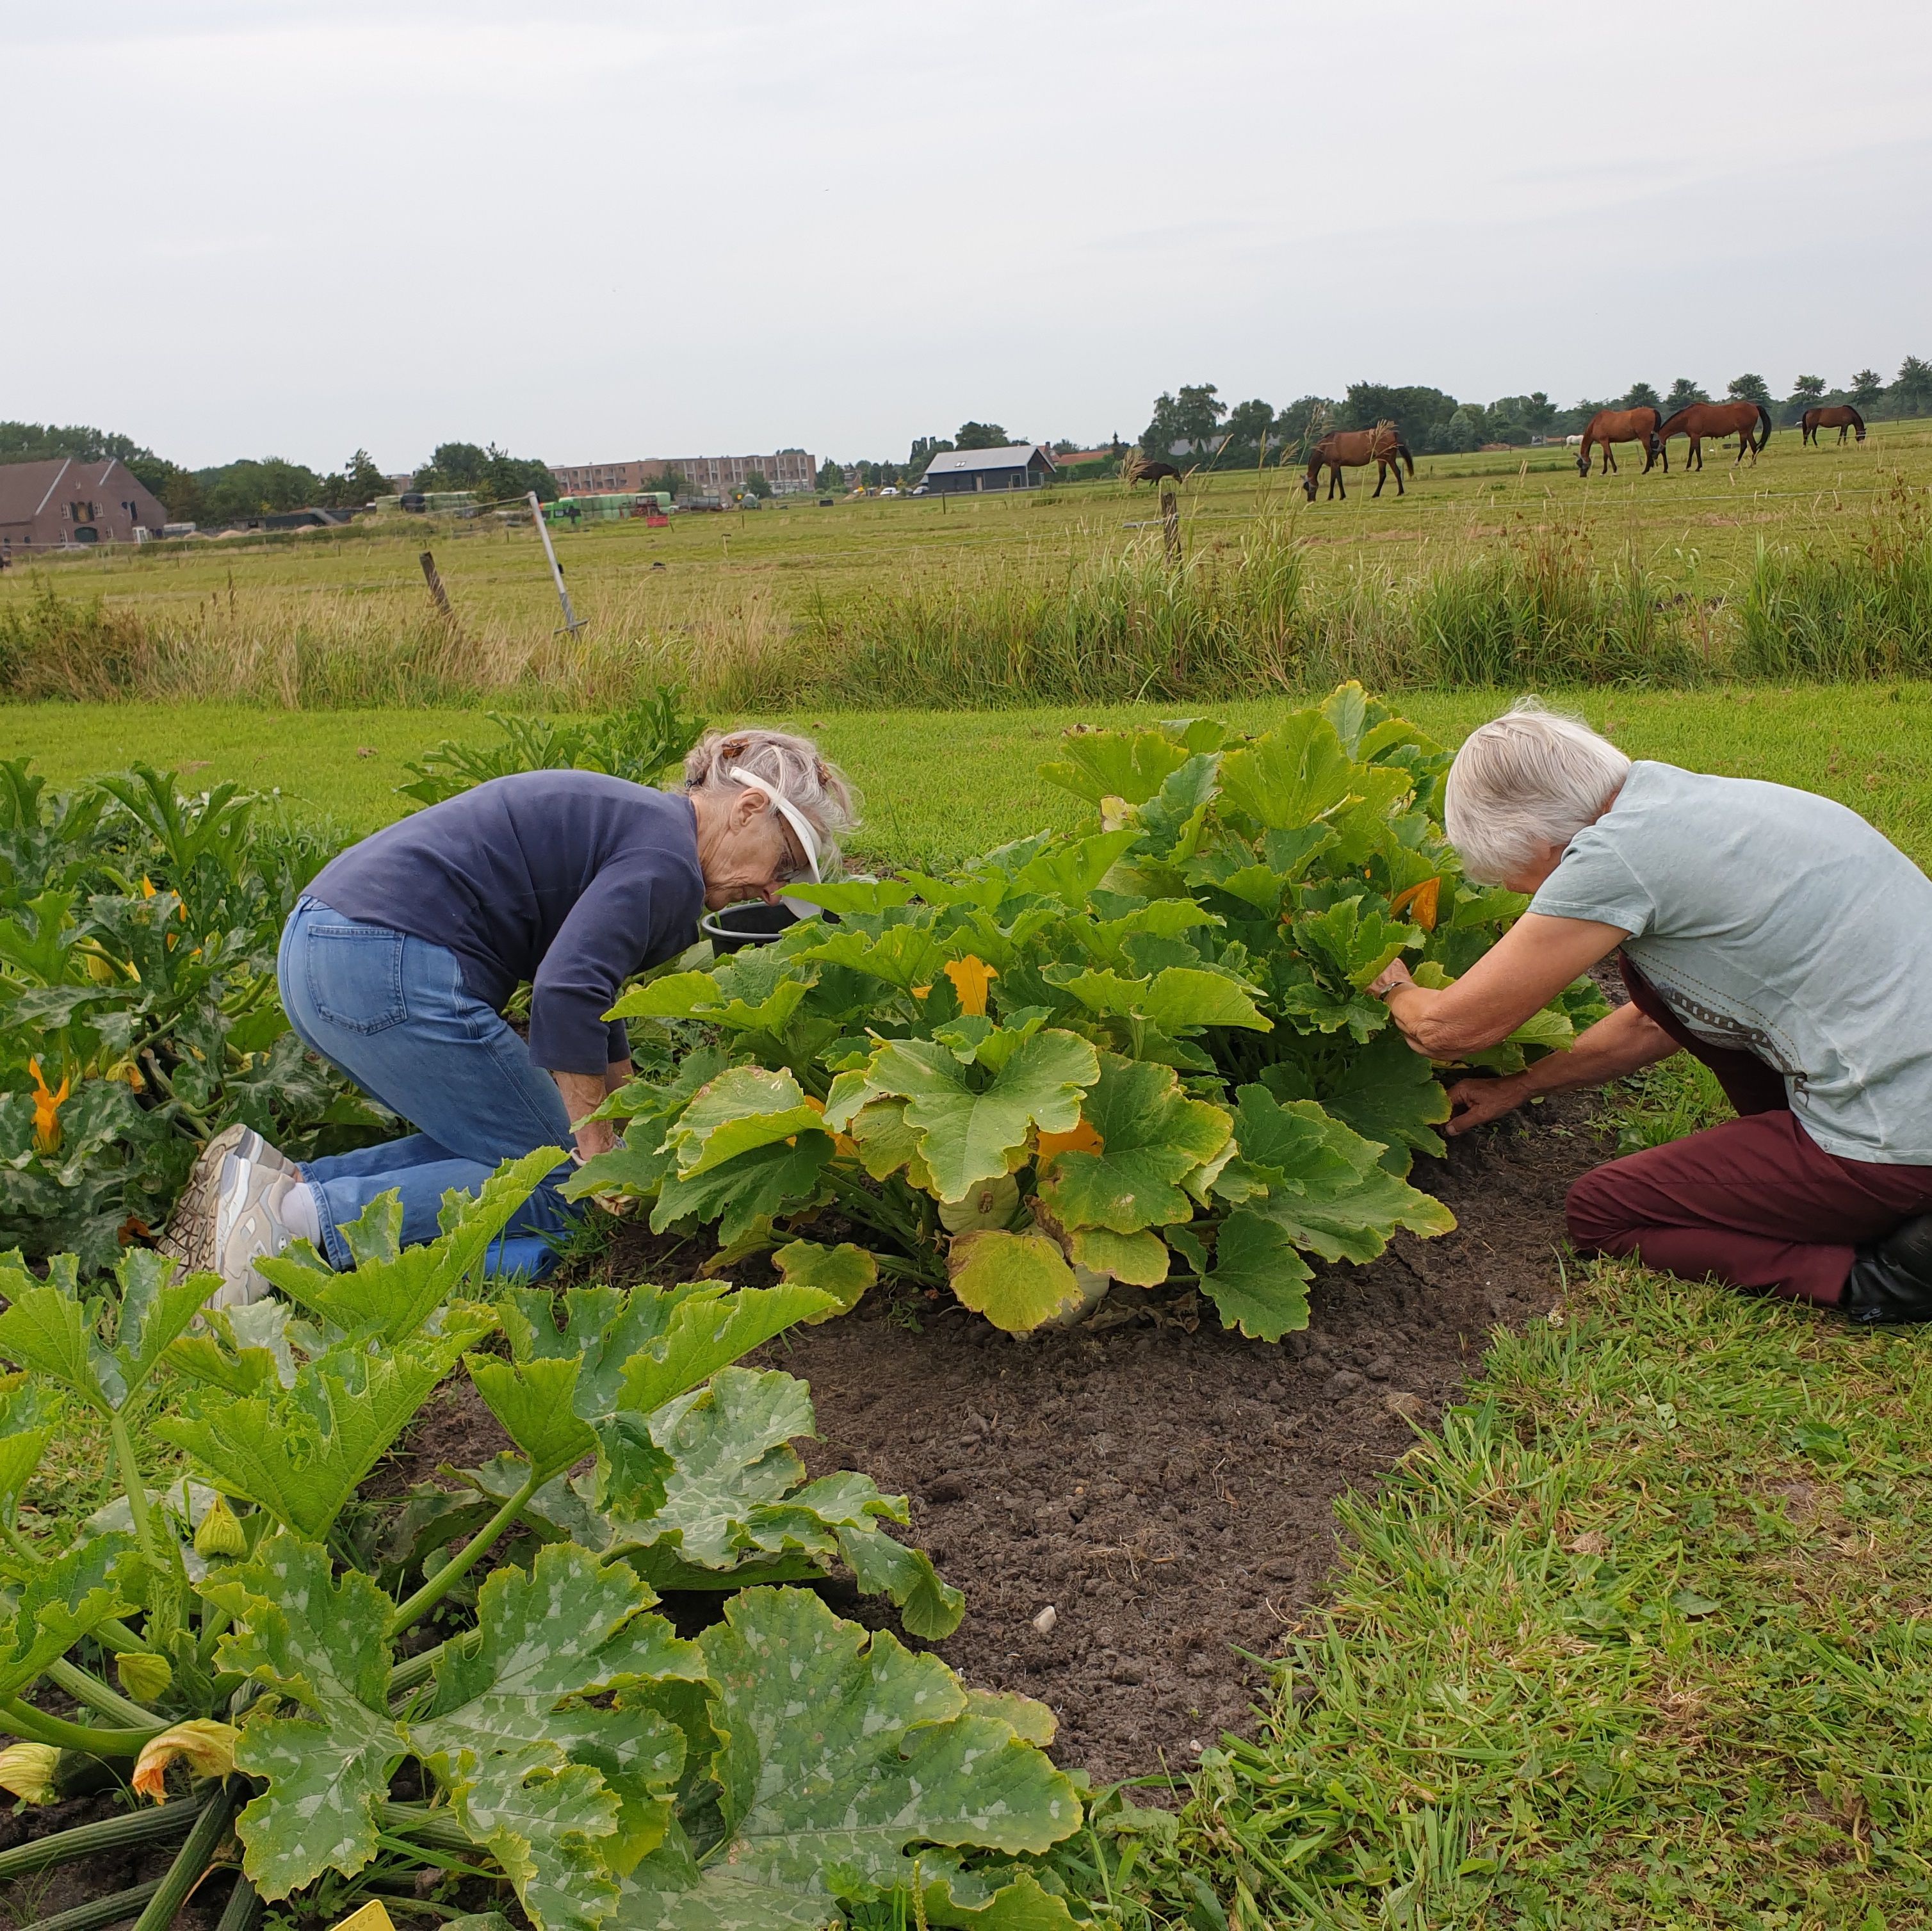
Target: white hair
[790, 766]
[1528, 779]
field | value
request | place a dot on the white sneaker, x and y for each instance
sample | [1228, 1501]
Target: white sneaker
[189, 1235]
[248, 1227]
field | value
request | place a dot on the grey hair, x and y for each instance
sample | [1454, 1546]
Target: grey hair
[788, 763]
[1532, 778]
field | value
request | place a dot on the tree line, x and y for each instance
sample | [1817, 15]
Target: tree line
[257, 486]
[1192, 424]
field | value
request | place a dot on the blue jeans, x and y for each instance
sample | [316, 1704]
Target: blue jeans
[393, 1014]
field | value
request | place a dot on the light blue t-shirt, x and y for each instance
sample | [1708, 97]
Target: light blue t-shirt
[1776, 921]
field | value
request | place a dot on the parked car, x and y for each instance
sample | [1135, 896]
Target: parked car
[890, 490]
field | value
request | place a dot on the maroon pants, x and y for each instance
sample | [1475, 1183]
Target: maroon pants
[1756, 1203]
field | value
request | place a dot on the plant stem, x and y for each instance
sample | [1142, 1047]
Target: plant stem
[211, 1633]
[85, 1687]
[37, 1727]
[137, 1489]
[111, 1834]
[447, 1577]
[418, 1669]
[243, 1908]
[433, 1824]
[190, 1863]
[116, 1909]
[115, 1635]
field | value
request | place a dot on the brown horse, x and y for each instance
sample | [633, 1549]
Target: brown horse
[1356, 449]
[1718, 420]
[1622, 425]
[1839, 416]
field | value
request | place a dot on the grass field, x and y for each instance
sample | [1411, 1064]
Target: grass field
[758, 603]
[940, 786]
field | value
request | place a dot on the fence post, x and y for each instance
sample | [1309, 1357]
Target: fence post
[438, 595]
[1170, 526]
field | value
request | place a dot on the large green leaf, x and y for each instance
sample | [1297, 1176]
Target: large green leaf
[709, 1329]
[1359, 944]
[969, 1129]
[535, 1771]
[845, 1273]
[904, 956]
[1179, 996]
[1295, 774]
[300, 1452]
[60, 1603]
[1258, 1282]
[843, 1751]
[1153, 1137]
[1128, 764]
[323, 1644]
[1388, 1091]
[697, 996]
[1320, 1181]
[534, 1400]
[768, 1180]
[748, 1106]
[1018, 1282]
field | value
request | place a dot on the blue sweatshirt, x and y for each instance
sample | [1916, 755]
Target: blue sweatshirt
[570, 879]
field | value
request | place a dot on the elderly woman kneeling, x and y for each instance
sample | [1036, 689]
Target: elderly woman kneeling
[397, 963]
[1771, 932]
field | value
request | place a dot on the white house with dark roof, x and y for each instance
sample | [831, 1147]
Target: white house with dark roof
[1018, 466]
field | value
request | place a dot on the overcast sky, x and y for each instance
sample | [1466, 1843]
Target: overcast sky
[601, 230]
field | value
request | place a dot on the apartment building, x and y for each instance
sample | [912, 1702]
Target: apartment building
[789, 472]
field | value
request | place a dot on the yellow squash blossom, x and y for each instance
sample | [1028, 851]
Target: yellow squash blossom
[46, 1109]
[971, 977]
[207, 1747]
[1421, 903]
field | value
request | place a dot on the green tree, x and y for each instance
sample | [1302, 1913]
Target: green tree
[1302, 423]
[1248, 424]
[1749, 389]
[1684, 393]
[981, 436]
[1414, 411]
[1809, 387]
[232, 492]
[924, 448]
[758, 484]
[1867, 386]
[1642, 395]
[1914, 386]
[360, 482]
[830, 476]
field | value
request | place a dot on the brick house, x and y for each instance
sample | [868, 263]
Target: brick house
[789, 473]
[66, 504]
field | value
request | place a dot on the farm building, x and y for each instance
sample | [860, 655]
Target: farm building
[64, 503]
[789, 472]
[1020, 466]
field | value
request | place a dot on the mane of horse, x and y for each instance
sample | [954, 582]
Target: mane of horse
[1857, 420]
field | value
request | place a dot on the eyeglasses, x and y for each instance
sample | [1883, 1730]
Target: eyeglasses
[807, 843]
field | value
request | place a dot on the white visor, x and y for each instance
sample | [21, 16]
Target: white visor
[808, 839]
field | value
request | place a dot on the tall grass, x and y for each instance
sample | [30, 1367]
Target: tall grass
[1117, 623]
[1115, 628]
[1861, 613]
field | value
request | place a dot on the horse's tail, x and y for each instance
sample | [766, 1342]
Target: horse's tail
[1401, 456]
[1763, 425]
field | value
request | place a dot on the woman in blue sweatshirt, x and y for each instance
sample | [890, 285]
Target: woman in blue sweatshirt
[397, 963]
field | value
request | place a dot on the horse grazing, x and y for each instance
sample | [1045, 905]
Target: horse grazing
[1138, 469]
[1355, 449]
[1719, 419]
[1839, 416]
[1622, 425]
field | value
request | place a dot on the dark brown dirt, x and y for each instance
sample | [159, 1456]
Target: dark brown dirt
[28, 1899]
[1167, 1488]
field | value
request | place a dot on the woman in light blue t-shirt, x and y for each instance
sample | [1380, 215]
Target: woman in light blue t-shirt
[1771, 932]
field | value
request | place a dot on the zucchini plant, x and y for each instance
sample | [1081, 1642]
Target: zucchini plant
[1139, 1051]
[512, 1705]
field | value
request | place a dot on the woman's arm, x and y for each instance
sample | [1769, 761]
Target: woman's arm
[1526, 969]
[1620, 1042]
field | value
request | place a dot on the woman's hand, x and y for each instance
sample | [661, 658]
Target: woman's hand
[1394, 974]
[1475, 1103]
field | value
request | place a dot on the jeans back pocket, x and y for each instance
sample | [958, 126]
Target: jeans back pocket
[355, 975]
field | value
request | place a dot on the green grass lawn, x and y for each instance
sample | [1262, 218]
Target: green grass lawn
[940, 786]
